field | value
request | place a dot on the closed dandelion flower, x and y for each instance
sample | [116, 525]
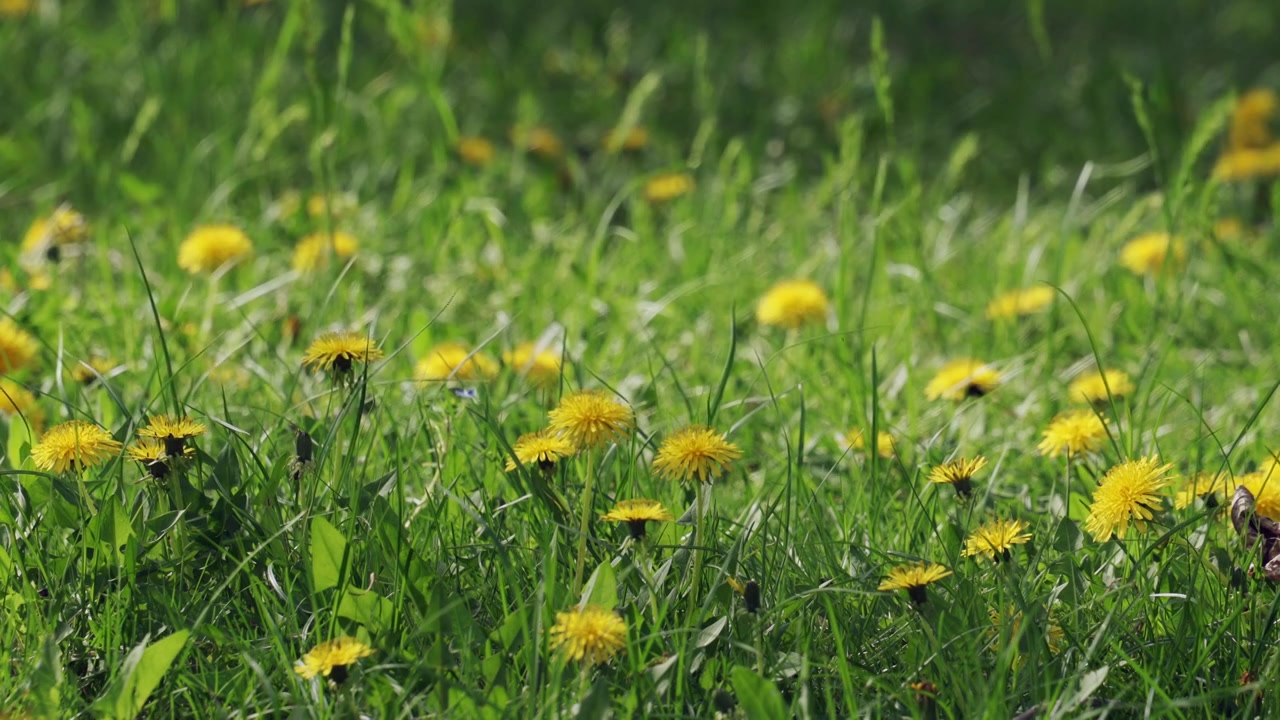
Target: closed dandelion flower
[453, 361]
[209, 247]
[538, 141]
[542, 449]
[1211, 487]
[960, 379]
[914, 578]
[1016, 303]
[591, 418]
[793, 304]
[667, 187]
[635, 513]
[332, 658]
[1091, 387]
[958, 474]
[540, 365]
[696, 452]
[996, 539]
[17, 346]
[1072, 433]
[152, 455]
[1128, 493]
[475, 150]
[73, 445]
[312, 251]
[855, 439]
[174, 432]
[592, 635]
[338, 353]
[16, 402]
[1147, 254]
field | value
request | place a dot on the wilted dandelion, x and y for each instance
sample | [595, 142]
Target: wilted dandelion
[312, 251]
[793, 304]
[1128, 493]
[332, 658]
[1091, 387]
[636, 513]
[695, 452]
[338, 352]
[542, 449]
[174, 432]
[73, 445]
[667, 187]
[209, 247]
[958, 474]
[1147, 254]
[475, 150]
[540, 365]
[592, 635]
[855, 439]
[914, 578]
[1016, 303]
[996, 539]
[591, 418]
[1072, 433]
[964, 378]
[453, 361]
[17, 346]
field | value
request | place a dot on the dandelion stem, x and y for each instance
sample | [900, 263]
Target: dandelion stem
[702, 500]
[587, 502]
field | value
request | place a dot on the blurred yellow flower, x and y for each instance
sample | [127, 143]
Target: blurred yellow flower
[538, 141]
[64, 226]
[667, 187]
[1015, 303]
[336, 205]
[1228, 228]
[87, 372]
[15, 8]
[1250, 120]
[1210, 486]
[541, 365]
[1248, 163]
[17, 346]
[312, 251]
[592, 635]
[1146, 254]
[332, 658]
[792, 304]
[635, 139]
[18, 402]
[960, 379]
[475, 150]
[1265, 486]
[453, 361]
[855, 439]
[1073, 432]
[209, 247]
[1091, 387]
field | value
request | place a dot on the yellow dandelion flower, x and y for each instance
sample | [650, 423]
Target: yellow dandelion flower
[1072, 433]
[18, 402]
[209, 247]
[332, 658]
[338, 352]
[996, 539]
[475, 150]
[538, 141]
[958, 473]
[1129, 492]
[338, 206]
[45, 235]
[152, 455]
[634, 140]
[793, 304]
[960, 379]
[1212, 487]
[174, 432]
[1147, 254]
[453, 361]
[17, 346]
[667, 187]
[1250, 119]
[1091, 387]
[855, 439]
[1228, 228]
[542, 448]
[1248, 163]
[695, 452]
[1016, 303]
[1264, 484]
[914, 578]
[16, 8]
[591, 418]
[312, 251]
[592, 634]
[540, 365]
[73, 445]
[635, 513]
[87, 372]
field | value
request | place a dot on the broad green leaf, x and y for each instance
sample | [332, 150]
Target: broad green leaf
[759, 699]
[21, 438]
[143, 669]
[711, 632]
[328, 546]
[45, 702]
[367, 608]
[601, 589]
[597, 702]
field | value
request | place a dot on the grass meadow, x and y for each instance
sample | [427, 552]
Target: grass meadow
[342, 342]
